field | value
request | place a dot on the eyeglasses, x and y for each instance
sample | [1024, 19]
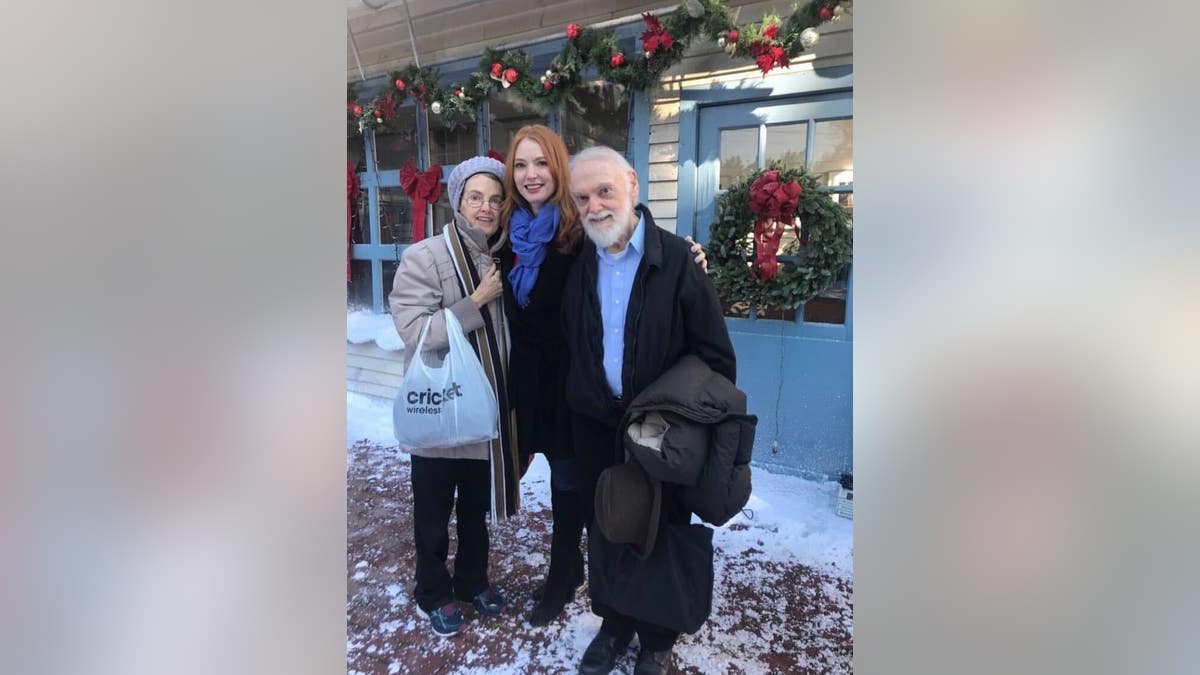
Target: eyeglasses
[475, 201]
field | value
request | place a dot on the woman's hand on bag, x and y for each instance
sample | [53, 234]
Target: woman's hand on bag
[489, 288]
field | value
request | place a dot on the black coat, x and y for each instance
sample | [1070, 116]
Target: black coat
[537, 358]
[691, 433]
[699, 437]
[673, 311]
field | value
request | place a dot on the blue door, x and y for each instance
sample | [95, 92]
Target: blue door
[794, 365]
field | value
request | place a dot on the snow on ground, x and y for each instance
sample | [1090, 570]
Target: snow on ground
[368, 419]
[782, 598]
[367, 326]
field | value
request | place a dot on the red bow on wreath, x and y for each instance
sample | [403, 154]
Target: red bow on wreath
[775, 204]
[351, 199]
[422, 187]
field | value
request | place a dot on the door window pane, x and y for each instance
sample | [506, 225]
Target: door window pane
[603, 119]
[358, 289]
[395, 217]
[846, 199]
[394, 148]
[507, 113]
[451, 145]
[833, 153]
[829, 306]
[739, 155]
[786, 143]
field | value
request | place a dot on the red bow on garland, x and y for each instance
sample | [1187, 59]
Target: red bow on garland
[656, 36]
[422, 187]
[351, 199]
[775, 205]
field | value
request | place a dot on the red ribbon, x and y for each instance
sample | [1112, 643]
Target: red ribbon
[775, 205]
[422, 187]
[351, 198]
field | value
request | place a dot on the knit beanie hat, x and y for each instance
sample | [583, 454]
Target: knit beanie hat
[467, 168]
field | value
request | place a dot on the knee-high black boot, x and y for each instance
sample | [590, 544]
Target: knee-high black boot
[566, 560]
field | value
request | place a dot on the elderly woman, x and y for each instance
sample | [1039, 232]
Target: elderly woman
[456, 272]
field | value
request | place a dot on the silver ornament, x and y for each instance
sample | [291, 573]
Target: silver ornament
[809, 37]
[436, 107]
[721, 41]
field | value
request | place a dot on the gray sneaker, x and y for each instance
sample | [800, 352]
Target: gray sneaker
[448, 620]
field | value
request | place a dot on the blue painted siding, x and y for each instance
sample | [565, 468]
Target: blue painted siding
[799, 389]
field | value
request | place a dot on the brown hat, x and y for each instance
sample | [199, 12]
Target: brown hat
[628, 507]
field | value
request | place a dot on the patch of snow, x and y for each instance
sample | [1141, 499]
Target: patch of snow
[788, 516]
[369, 419]
[366, 326]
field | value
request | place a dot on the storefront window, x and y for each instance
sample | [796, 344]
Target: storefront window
[597, 115]
[395, 216]
[398, 144]
[358, 289]
[451, 144]
[509, 112]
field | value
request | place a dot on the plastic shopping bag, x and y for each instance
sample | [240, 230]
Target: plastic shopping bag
[445, 404]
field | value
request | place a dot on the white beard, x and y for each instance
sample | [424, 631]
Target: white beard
[606, 232]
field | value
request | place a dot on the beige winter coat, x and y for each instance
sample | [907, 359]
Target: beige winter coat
[426, 284]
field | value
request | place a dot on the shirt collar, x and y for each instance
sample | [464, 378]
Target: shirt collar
[637, 242]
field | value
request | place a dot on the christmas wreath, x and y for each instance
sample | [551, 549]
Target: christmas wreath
[747, 239]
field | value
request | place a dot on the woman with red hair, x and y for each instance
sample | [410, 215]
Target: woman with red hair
[545, 236]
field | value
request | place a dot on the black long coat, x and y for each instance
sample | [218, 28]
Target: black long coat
[538, 356]
[673, 310]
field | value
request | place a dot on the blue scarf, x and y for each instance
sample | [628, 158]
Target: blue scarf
[529, 235]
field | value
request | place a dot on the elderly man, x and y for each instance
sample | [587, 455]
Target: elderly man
[634, 304]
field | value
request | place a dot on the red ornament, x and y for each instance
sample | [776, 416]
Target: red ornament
[825, 13]
[771, 31]
[511, 75]
[617, 60]
[400, 85]
[732, 35]
[547, 85]
[357, 110]
[573, 30]
[497, 68]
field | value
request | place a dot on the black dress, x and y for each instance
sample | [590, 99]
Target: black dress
[537, 363]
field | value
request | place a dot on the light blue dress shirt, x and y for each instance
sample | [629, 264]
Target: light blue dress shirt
[614, 283]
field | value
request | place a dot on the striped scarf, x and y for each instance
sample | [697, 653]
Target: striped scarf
[491, 346]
